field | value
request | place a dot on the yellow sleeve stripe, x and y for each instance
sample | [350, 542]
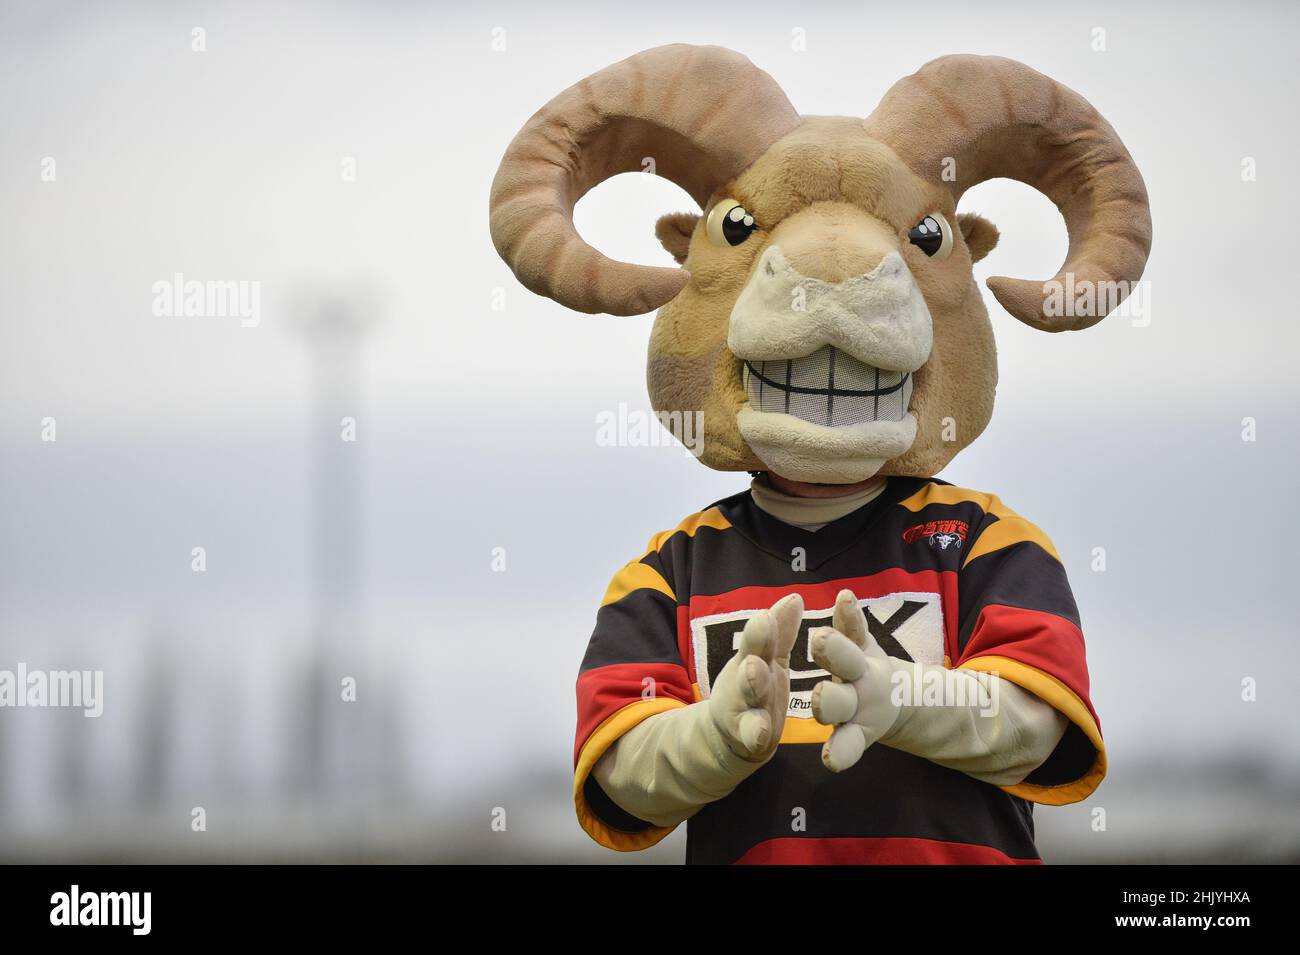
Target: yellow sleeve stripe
[605, 735]
[947, 494]
[636, 576]
[1009, 528]
[712, 517]
[1006, 531]
[1050, 690]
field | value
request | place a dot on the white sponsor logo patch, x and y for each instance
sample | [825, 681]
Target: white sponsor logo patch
[908, 625]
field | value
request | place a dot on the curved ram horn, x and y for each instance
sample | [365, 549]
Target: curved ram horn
[702, 113]
[998, 118]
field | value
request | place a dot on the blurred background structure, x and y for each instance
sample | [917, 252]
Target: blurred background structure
[446, 563]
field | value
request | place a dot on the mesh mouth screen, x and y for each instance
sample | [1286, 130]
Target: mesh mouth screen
[829, 388]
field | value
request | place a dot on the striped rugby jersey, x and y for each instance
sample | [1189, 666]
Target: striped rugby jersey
[946, 576]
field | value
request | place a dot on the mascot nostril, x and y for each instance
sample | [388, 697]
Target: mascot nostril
[825, 325]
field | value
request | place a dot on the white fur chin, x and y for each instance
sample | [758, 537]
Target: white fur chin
[802, 451]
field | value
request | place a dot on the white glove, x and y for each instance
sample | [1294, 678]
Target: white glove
[1000, 745]
[857, 700]
[668, 766]
[751, 695]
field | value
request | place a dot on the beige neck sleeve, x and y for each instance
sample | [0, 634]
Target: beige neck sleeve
[811, 513]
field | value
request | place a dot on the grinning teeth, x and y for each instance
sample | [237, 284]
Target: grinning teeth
[829, 388]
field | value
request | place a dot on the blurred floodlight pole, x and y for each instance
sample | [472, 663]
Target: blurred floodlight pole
[334, 324]
[334, 340]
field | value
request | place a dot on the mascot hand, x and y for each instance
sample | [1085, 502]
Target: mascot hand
[749, 699]
[857, 701]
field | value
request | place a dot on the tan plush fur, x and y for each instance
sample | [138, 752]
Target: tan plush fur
[836, 196]
[827, 182]
[981, 235]
[674, 232]
[645, 107]
[1000, 118]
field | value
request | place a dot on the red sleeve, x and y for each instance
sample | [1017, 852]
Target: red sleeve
[631, 671]
[1018, 619]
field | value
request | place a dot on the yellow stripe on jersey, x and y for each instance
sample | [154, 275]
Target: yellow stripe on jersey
[948, 494]
[605, 736]
[711, 517]
[798, 730]
[1009, 528]
[1055, 693]
[636, 576]
[1006, 531]
[795, 729]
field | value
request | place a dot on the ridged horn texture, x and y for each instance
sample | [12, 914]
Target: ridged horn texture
[997, 118]
[703, 114]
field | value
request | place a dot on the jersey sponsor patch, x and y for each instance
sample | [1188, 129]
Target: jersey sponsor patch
[907, 625]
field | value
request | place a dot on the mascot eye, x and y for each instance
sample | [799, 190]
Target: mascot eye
[932, 235]
[729, 223]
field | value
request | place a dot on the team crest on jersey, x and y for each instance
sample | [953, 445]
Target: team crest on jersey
[907, 625]
[939, 534]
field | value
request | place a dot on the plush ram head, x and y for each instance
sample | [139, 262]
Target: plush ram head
[825, 319]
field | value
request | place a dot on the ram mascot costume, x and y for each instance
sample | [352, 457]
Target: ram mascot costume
[850, 661]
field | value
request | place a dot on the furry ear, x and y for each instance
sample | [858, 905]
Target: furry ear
[980, 234]
[674, 232]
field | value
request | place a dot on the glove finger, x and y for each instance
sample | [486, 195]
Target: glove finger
[848, 617]
[755, 678]
[754, 730]
[844, 748]
[834, 702]
[837, 654]
[756, 638]
[787, 614]
[873, 649]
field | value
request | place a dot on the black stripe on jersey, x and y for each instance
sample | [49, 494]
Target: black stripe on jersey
[888, 794]
[665, 567]
[778, 538]
[760, 551]
[639, 628]
[672, 559]
[975, 517]
[1070, 761]
[1022, 575]
[608, 811]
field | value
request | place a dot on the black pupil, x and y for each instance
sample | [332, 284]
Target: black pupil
[926, 235]
[734, 229]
